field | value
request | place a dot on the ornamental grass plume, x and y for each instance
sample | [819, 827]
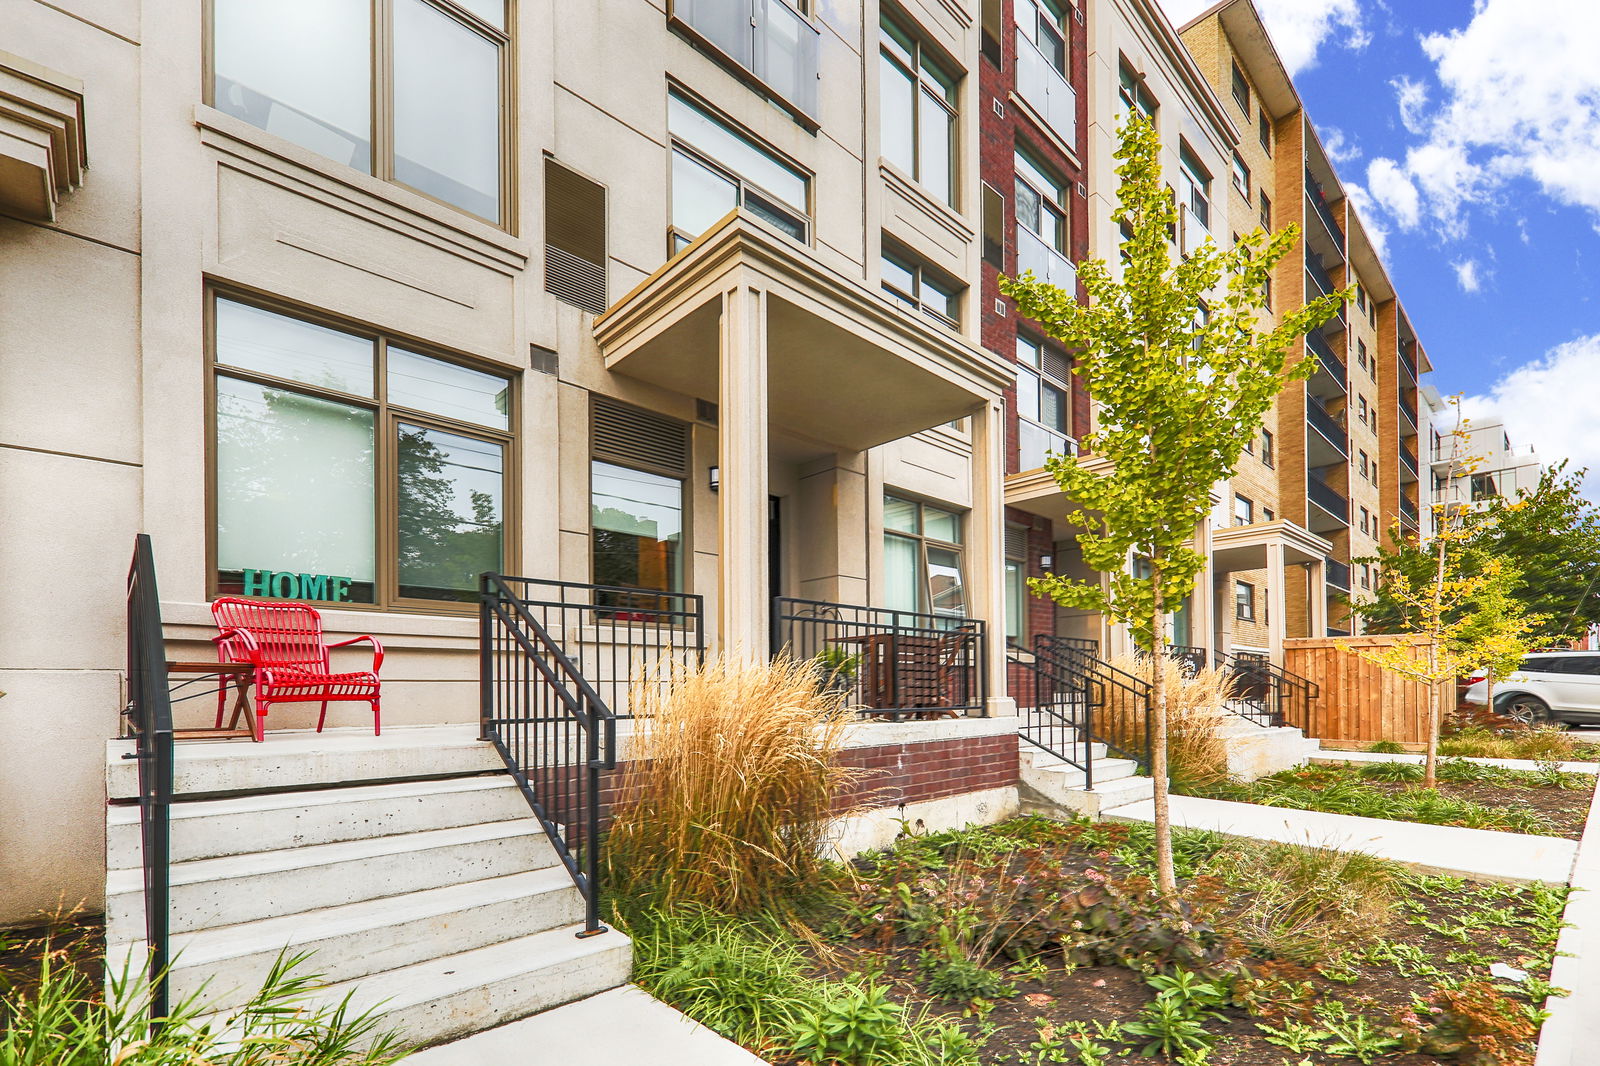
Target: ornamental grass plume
[728, 798]
[1196, 709]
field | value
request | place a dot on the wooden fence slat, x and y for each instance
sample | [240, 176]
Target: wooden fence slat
[1360, 702]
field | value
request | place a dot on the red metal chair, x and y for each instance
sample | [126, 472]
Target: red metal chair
[283, 642]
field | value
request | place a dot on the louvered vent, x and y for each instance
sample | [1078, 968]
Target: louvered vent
[574, 238]
[641, 439]
[1016, 542]
[1055, 364]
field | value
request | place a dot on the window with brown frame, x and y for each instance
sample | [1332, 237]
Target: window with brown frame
[350, 466]
[411, 91]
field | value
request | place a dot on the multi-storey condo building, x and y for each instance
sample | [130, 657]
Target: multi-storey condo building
[1336, 468]
[1468, 473]
[358, 300]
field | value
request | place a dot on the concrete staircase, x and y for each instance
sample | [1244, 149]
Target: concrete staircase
[409, 864]
[1051, 785]
[1255, 751]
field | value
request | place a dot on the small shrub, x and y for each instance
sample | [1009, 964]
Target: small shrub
[728, 801]
[1393, 771]
[1387, 747]
[1539, 742]
[1482, 1026]
[859, 1026]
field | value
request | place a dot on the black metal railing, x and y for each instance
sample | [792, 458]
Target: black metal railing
[1325, 355]
[1338, 573]
[1192, 656]
[1055, 708]
[554, 731]
[1324, 285]
[1265, 694]
[1121, 709]
[886, 662]
[1327, 425]
[1408, 357]
[1408, 510]
[148, 717]
[1409, 409]
[1320, 203]
[617, 637]
[1328, 498]
[1409, 461]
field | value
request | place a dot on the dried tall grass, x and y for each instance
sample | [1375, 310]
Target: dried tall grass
[727, 801]
[1196, 753]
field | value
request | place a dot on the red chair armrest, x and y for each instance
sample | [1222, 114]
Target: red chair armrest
[377, 648]
[229, 639]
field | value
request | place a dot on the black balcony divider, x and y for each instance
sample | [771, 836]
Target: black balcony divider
[148, 717]
[886, 662]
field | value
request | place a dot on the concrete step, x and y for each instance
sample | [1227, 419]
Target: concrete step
[238, 825]
[302, 758]
[1106, 771]
[1062, 787]
[208, 893]
[372, 936]
[449, 997]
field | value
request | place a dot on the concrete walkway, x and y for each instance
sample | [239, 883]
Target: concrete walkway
[1442, 849]
[623, 1027]
[1571, 1035]
[1333, 757]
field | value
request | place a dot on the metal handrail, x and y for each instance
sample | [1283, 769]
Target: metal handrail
[1056, 711]
[1407, 358]
[1328, 498]
[1409, 461]
[1078, 658]
[1326, 356]
[1271, 695]
[1338, 573]
[1408, 510]
[1327, 425]
[1192, 656]
[551, 728]
[1409, 410]
[148, 714]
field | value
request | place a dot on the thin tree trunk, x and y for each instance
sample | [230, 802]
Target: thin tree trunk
[1488, 695]
[1436, 623]
[1166, 878]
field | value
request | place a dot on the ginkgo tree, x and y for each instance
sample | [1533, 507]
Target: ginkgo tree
[1182, 363]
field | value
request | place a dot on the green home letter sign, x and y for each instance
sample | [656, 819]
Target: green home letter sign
[286, 586]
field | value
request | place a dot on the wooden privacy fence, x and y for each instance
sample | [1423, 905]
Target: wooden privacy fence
[1360, 702]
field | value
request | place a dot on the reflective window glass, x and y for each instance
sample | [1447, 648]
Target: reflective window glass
[442, 388]
[253, 338]
[450, 517]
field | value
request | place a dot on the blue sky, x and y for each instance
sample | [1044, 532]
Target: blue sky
[1468, 132]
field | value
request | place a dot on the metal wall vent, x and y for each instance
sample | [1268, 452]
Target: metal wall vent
[631, 436]
[574, 238]
[543, 360]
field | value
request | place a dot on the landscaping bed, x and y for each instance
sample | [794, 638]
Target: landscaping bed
[1041, 942]
[1543, 802]
[1503, 740]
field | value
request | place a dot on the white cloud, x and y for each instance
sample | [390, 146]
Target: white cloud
[1517, 101]
[1544, 403]
[1467, 274]
[1365, 207]
[1299, 28]
[1341, 150]
[1393, 190]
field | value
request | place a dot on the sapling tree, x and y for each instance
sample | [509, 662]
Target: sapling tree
[1499, 629]
[1183, 363]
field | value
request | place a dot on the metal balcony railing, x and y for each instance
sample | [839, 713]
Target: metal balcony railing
[1322, 285]
[1324, 212]
[1338, 574]
[1408, 358]
[1045, 90]
[1408, 511]
[776, 44]
[1409, 461]
[1409, 410]
[1319, 346]
[1047, 264]
[1327, 425]
[1328, 498]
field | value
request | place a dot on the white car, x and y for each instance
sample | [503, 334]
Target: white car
[1560, 687]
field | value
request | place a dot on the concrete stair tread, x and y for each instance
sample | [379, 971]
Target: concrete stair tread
[227, 867]
[267, 802]
[206, 947]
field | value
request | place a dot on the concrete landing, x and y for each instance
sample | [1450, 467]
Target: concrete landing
[1481, 854]
[1328, 756]
[623, 1027]
[1572, 1032]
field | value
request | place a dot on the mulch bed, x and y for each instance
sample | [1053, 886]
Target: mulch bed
[1567, 809]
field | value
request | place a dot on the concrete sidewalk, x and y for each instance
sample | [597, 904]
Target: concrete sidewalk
[1329, 756]
[1571, 1035]
[623, 1027]
[1477, 853]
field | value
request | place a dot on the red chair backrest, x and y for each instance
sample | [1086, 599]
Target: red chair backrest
[286, 634]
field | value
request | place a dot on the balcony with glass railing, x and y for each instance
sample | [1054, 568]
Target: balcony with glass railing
[1035, 443]
[1319, 202]
[1043, 88]
[1047, 264]
[771, 43]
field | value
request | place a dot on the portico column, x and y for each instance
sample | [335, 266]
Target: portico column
[743, 606]
[1318, 570]
[1278, 610]
[986, 566]
[1202, 616]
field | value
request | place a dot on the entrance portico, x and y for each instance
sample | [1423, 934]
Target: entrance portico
[1273, 547]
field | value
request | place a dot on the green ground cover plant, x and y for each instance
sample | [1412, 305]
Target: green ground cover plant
[1538, 743]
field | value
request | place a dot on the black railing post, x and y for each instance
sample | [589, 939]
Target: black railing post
[485, 658]
[150, 714]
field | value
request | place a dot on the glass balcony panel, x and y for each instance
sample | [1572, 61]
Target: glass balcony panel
[1035, 443]
[1047, 264]
[1045, 90]
[768, 38]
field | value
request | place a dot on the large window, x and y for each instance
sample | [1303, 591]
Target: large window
[412, 91]
[1042, 211]
[922, 559]
[920, 288]
[918, 117]
[1132, 95]
[1041, 404]
[352, 467]
[637, 520]
[1194, 182]
[1044, 23]
[716, 169]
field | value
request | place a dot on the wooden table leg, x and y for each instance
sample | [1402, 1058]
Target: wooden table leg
[241, 707]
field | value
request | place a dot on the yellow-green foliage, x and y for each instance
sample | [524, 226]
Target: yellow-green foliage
[727, 798]
[1197, 754]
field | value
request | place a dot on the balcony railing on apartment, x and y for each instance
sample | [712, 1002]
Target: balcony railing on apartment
[1322, 285]
[775, 44]
[1324, 212]
[1408, 358]
[1409, 461]
[1328, 498]
[1045, 90]
[1408, 511]
[1337, 573]
[616, 636]
[1035, 443]
[1319, 346]
[1327, 425]
[1409, 410]
[1046, 263]
[887, 663]
[148, 719]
